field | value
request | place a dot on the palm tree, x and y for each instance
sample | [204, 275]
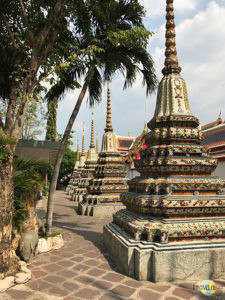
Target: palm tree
[29, 177]
[117, 42]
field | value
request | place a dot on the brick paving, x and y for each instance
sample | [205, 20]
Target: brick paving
[83, 270]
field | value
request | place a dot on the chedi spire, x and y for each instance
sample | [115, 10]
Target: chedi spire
[108, 112]
[92, 144]
[97, 141]
[78, 154]
[171, 64]
[82, 153]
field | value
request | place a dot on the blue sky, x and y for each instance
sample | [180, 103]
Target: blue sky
[201, 53]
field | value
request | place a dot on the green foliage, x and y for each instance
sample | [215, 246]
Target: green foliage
[45, 189]
[51, 132]
[34, 121]
[29, 176]
[114, 40]
[5, 142]
[53, 234]
[68, 162]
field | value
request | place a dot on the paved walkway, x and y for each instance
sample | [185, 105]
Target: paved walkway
[83, 270]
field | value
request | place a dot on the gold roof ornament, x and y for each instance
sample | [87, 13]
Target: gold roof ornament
[219, 118]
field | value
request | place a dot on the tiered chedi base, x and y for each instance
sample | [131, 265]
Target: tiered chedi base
[159, 262]
[76, 180]
[83, 182]
[73, 182]
[175, 209]
[103, 192]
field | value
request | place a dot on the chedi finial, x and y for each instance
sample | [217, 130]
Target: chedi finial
[92, 144]
[82, 153]
[171, 64]
[96, 140]
[108, 116]
[78, 149]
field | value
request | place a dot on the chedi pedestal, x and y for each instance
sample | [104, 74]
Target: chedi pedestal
[103, 193]
[174, 225]
[88, 170]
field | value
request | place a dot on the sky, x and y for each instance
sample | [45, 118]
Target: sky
[200, 30]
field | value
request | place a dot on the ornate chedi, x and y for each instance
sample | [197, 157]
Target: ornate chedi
[89, 167]
[79, 170]
[69, 187]
[175, 208]
[103, 192]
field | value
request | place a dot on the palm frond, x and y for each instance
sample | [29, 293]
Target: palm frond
[95, 87]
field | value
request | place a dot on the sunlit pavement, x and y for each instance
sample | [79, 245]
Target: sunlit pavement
[83, 270]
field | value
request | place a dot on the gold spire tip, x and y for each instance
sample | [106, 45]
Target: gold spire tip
[108, 112]
[171, 64]
[92, 144]
[83, 142]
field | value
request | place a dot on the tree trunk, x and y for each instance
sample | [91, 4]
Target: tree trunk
[8, 260]
[59, 158]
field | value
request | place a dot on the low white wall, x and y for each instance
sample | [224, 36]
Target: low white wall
[220, 170]
[131, 173]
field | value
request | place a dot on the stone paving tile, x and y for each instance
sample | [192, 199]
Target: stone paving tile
[133, 283]
[92, 262]
[84, 279]
[105, 266]
[161, 288]
[91, 254]
[54, 258]
[54, 279]
[114, 277]
[96, 272]
[65, 263]
[15, 294]
[77, 258]
[101, 284]
[110, 296]
[148, 294]
[52, 267]
[87, 294]
[82, 269]
[57, 291]
[123, 290]
[67, 273]
[70, 286]
[38, 285]
[183, 293]
[38, 273]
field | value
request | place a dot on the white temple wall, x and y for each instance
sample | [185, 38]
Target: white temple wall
[220, 170]
[131, 173]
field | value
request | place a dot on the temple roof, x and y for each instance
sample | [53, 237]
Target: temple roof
[213, 124]
[215, 140]
[137, 144]
[124, 143]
